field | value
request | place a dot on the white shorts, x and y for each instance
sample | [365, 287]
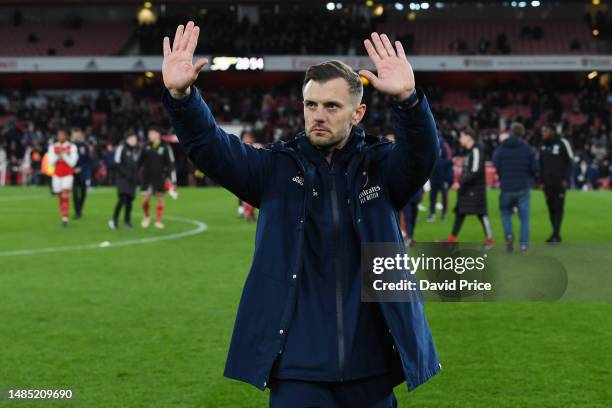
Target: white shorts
[59, 184]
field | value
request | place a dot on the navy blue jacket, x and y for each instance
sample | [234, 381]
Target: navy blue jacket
[516, 164]
[84, 162]
[329, 288]
[280, 182]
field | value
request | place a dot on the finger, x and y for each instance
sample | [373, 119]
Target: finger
[167, 50]
[186, 35]
[371, 51]
[380, 48]
[197, 67]
[193, 40]
[387, 44]
[370, 76]
[177, 37]
[400, 50]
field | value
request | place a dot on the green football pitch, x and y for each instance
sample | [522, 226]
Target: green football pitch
[143, 318]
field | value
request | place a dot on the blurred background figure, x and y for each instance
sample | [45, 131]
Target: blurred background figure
[471, 189]
[517, 167]
[441, 180]
[157, 163]
[556, 158]
[82, 172]
[63, 157]
[3, 164]
[126, 162]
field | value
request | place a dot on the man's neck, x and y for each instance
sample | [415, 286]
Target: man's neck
[329, 152]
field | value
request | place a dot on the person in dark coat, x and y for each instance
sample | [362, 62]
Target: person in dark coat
[301, 328]
[411, 213]
[472, 189]
[126, 163]
[441, 180]
[556, 158]
[82, 172]
[517, 167]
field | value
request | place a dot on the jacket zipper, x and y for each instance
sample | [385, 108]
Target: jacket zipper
[338, 269]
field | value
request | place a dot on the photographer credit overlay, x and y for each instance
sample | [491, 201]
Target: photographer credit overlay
[466, 273]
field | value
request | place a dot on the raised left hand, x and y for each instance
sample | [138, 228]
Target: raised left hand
[395, 76]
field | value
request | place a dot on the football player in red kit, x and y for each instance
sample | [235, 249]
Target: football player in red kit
[157, 163]
[63, 157]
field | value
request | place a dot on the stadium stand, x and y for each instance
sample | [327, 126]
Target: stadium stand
[32, 39]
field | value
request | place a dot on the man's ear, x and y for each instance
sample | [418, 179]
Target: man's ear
[358, 114]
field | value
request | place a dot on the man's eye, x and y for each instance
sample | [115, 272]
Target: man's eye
[332, 106]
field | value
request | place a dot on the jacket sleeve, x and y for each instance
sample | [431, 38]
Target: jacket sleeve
[121, 167]
[72, 157]
[52, 155]
[170, 164]
[476, 166]
[534, 167]
[497, 161]
[414, 153]
[223, 157]
[568, 159]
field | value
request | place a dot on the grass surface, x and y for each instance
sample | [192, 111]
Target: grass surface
[148, 324]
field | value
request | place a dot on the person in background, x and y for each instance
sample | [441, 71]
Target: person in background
[157, 163]
[126, 163]
[82, 172]
[411, 212]
[3, 165]
[472, 192]
[556, 159]
[63, 157]
[440, 181]
[517, 167]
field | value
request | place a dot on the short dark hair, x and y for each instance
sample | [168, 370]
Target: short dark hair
[469, 131]
[517, 129]
[156, 128]
[328, 70]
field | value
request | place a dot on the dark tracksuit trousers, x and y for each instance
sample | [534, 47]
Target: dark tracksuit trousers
[79, 193]
[555, 201]
[370, 393]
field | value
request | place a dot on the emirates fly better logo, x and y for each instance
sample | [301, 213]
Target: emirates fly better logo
[368, 194]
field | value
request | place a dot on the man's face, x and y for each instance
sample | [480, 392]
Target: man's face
[76, 136]
[248, 138]
[465, 139]
[61, 136]
[330, 112]
[154, 136]
[546, 133]
[132, 140]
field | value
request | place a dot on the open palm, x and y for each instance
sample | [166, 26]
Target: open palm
[178, 69]
[395, 76]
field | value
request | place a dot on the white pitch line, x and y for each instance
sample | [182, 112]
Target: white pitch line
[49, 195]
[200, 227]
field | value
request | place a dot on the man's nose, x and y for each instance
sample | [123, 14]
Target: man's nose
[318, 115]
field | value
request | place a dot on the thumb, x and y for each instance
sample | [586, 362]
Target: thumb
[369, 76]
[197, 67]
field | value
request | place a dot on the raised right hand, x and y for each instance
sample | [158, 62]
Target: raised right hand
[178, 70]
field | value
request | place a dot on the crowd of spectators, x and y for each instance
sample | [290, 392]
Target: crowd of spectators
[581, 114]
[305, 30]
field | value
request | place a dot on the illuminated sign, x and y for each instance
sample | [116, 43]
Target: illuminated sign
[237, 64]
